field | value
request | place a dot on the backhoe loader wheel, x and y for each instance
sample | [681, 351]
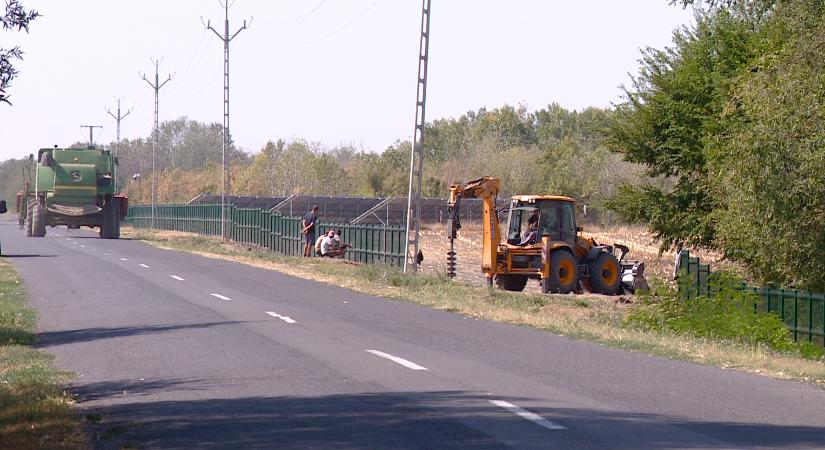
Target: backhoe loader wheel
[605, 275]
[39, 219]
[511, 282]
[27, 224]
[563, 273]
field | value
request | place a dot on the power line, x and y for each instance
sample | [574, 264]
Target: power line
[192, 59]
[300, 21]
[156, 86]
[346, 25]
[210, 82]
[226, 38]
[137, 94]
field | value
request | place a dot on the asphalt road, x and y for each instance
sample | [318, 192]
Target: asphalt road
[178, 351]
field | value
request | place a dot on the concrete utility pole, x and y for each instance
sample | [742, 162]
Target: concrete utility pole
[156, 86]
[226, 38]
[118, 118]
[417, 151]
[91, 133]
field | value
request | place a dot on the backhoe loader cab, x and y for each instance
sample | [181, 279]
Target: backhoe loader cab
[554, 217]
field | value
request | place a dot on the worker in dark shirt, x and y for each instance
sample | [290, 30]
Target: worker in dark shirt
[309, 229]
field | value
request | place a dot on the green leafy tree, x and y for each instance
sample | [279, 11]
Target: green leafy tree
[14, 17]
[732, 118]
[182, 144]
[769, 165]
[670, 119]
[13, 173]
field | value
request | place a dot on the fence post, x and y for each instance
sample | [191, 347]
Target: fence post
[810, 317]
[795, 313]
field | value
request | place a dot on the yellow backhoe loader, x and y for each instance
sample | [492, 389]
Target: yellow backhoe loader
[544, 243]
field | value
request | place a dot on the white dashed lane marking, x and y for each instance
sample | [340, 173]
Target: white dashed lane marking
[124, 259]
[177, 277]
[284, 318]
[524, 414]
[143, 265]
[397, 360]
[222, 297]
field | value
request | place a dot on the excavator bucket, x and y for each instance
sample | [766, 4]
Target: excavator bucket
[633, 278]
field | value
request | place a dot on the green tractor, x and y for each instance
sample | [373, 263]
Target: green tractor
[72, 187]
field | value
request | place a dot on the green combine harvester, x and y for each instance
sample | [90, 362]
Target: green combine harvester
[75, 188]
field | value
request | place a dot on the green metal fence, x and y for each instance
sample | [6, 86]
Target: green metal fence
[803, 312]
[271, 230]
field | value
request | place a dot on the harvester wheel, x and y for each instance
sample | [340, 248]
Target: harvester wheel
[27, 223]
[605, 275]
[110, 229]
[563, 273]
[511, 282]
[38, 219]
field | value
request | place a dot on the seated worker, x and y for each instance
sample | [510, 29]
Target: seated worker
[327, 243]
[532, 231]
[318, 244]
[339, 247]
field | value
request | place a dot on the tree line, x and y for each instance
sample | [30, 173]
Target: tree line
[551, 150]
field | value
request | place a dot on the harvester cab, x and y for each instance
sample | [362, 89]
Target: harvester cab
[542, 242]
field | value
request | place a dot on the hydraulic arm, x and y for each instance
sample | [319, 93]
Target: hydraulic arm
[486, 189]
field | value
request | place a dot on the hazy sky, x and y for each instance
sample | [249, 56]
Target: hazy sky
[334, 71]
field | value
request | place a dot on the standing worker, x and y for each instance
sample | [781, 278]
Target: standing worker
[310, 220]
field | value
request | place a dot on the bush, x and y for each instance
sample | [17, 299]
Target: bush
[730, 315]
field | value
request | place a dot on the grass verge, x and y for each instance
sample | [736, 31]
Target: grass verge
[35, 412]
[589, 317]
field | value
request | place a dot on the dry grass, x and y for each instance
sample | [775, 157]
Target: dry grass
[35, 412]
[592, 317]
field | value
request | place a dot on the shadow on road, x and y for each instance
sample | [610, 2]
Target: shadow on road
[404, 420]
[51, 338]
[71, 236]
[130, 388]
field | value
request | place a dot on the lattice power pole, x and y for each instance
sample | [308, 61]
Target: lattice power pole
[417, 153]
[156, 132]
[226, 38]
[118, 118]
